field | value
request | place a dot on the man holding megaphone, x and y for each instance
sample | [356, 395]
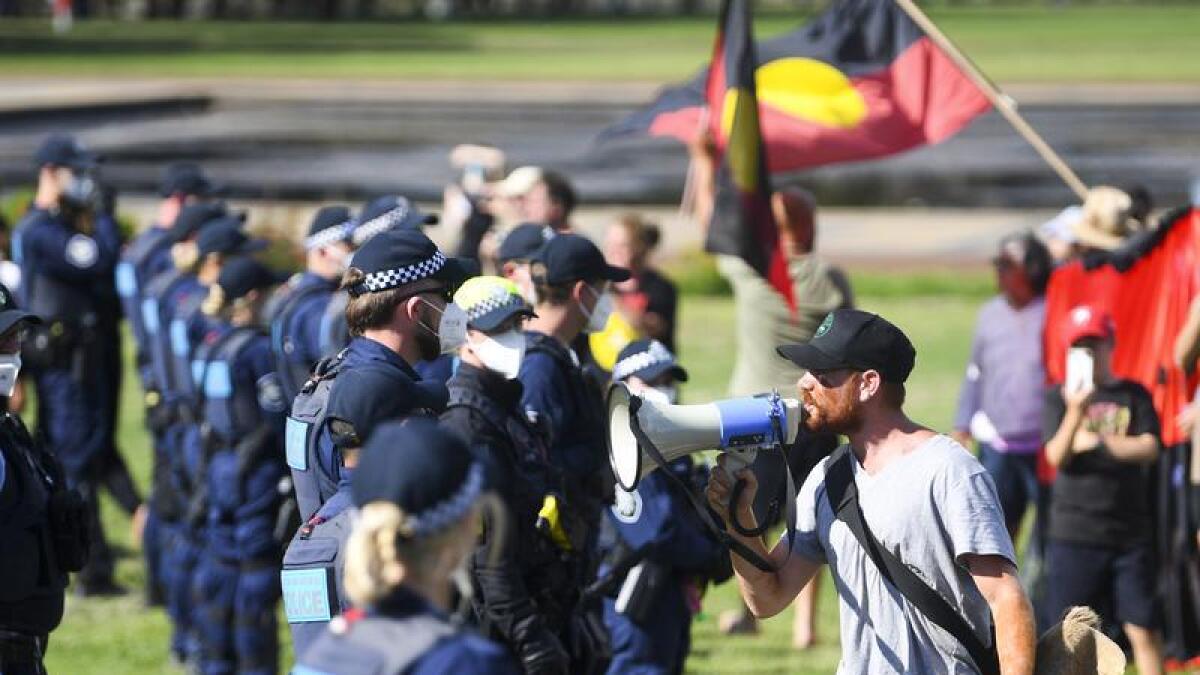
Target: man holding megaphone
[907, 519]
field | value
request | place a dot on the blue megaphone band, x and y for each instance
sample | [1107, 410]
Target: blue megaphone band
[747, 422]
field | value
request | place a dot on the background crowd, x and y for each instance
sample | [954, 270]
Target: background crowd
[283, 409]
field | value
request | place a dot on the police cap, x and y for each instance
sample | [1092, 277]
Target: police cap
[10, 313]
[570, 257]
[188, 179]
[226, 236]
[386, 213]
[193, 217]
[243, 274]
[523, 241]
[648, 360]
[398, 257]
[65, 150]
[425, 470]
[330, 224]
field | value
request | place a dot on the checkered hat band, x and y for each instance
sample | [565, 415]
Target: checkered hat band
[443, 514]
[385, 279]
[640, 361]
[493, 303]
[381, 223]
[327, 236]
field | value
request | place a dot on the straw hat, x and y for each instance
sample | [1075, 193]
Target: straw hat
[1105, 221]
[1075, 646]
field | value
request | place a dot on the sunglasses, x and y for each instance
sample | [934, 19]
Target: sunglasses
[832, 379]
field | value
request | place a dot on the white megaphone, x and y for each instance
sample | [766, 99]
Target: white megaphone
[744, 425]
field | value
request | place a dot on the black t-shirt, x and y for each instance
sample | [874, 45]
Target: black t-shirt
[1098, 499]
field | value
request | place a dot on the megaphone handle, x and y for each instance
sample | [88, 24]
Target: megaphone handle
[735, 462]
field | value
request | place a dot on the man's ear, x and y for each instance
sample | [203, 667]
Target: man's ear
[410, 309]
[578, 292]
[507, 269]
[869, 385]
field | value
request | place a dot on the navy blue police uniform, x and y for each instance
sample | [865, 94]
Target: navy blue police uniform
[430, 475]
[659, 556]
[242, 407]
[299, 306]
[42, 525]
[67, 253]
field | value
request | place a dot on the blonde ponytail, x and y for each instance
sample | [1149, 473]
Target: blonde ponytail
[214, 302]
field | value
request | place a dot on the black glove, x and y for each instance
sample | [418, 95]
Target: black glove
[544, 655]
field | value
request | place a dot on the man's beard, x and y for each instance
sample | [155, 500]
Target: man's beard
[428, 344]
[838, 416]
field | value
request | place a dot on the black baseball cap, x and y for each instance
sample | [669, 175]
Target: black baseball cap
[523, 241]
[187, 178]
[10, 313]
[425, 470]
[243, 274]
[570, 257]
[398, 257]
[858, 340]
[66, 150]
[194, 217]
[226, 236]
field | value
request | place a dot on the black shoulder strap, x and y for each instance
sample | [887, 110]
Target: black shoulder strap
[842, 494]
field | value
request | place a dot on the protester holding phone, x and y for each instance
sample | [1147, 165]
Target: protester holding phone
[1103, 434]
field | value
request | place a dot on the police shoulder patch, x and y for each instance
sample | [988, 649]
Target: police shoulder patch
[628, 506]
[82, 251]
[270, 394]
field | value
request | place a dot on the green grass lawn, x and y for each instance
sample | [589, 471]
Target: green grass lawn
[119, 636]
[1040, 43]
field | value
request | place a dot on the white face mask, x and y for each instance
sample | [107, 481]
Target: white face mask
[10, 367]
[501, 353]
[461, 578]
[598, 317]
[452, 328]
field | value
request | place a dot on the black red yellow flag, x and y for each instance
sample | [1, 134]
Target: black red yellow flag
[859, 81]
[742, 222]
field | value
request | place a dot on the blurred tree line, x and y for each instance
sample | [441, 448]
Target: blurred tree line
[333, 10]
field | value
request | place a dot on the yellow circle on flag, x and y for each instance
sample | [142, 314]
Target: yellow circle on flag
[804, 88]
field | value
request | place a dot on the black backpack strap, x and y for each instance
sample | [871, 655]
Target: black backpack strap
[842, 493]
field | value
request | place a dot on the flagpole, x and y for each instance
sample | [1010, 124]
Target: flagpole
[1002, 103]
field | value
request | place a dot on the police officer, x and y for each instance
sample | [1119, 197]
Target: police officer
[571, 279]
[378, 215]
[399, 285]
[67, 247]
[418, 489]
[42, 522]
[317, 549]
[145, 257]
[660, 558]
[528, 580]
[298, 307]
[242, 407]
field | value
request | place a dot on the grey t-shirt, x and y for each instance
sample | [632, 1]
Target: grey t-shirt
[929, 508]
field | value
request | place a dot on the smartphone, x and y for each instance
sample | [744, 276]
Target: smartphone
[1081, 369]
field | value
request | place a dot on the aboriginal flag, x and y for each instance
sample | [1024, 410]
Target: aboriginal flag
[742, 222]
[858, 82]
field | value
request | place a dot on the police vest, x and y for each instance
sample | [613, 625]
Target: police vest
[293, 372]
[231, 413]
[334, 333]
[313, 571]
[180, 361]
[372, 645]
[31, 595]
[129, 277]
[304, 427]
[157, 347]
